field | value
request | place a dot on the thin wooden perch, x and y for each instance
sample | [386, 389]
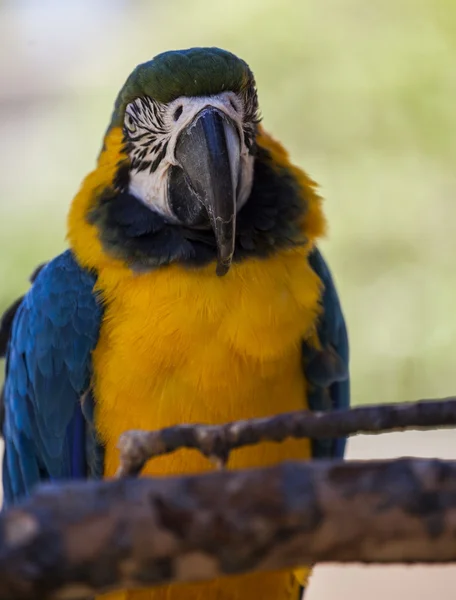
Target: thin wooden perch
[216, 442]
[71, 540]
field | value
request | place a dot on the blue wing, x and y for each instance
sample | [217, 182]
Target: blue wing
[327, 370]
[48, 369]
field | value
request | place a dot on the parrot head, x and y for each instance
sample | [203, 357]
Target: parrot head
[189, 121]
[193, 178]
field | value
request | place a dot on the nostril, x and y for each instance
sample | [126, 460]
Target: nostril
[177, 113]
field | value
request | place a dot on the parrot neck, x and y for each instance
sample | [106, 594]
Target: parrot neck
[109, 226]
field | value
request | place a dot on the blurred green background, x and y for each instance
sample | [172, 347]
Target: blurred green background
[363, 93]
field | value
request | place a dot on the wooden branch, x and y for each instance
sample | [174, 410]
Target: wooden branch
[216, 442]
[80, 539]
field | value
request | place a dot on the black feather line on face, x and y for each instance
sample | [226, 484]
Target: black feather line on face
[160, 157]
[252, 117]
[143, 145]
[268, 222]
[122, 178]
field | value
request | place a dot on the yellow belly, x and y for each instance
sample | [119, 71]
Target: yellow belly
[183, 347]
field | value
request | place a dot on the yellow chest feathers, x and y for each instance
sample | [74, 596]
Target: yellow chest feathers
[186, 346]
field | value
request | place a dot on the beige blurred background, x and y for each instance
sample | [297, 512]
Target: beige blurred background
[363, 93]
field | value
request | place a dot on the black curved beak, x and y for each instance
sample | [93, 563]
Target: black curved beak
[208, 152]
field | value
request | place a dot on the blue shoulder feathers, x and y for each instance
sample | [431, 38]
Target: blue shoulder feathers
[327, 370]
[48, 370]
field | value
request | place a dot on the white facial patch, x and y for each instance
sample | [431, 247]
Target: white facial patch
[153, 129]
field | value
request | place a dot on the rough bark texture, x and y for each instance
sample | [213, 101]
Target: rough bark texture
[74, 539]
[216, 442]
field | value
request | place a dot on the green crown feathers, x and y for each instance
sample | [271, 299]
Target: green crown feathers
[192, 72]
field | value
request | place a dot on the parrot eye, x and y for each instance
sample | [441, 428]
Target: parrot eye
[233, 105]
[130, 123]
[177, 113]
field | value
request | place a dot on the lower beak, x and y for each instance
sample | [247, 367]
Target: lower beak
[204, 187]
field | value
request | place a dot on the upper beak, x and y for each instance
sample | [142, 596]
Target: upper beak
[208, 151]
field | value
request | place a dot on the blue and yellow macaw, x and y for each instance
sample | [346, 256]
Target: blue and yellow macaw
[192, 291]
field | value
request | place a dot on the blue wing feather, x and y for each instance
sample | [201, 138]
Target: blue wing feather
[48, 369]
[327, 370]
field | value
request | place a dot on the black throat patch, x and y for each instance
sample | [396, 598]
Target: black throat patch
[268, 222]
